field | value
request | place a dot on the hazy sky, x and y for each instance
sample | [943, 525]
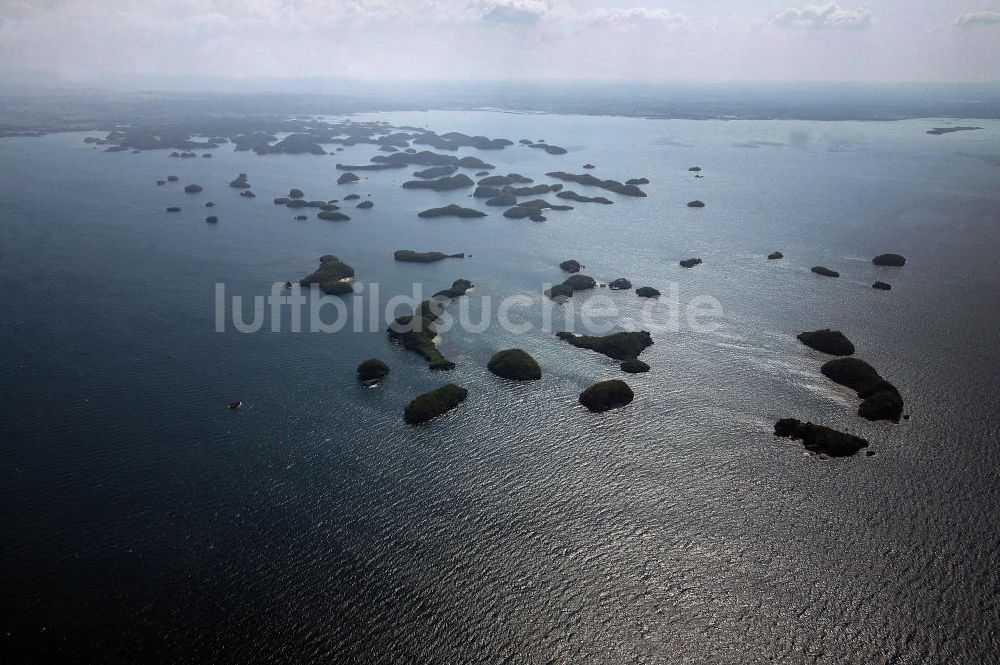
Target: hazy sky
[859, 40]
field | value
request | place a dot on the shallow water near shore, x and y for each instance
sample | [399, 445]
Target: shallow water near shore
[145, 521]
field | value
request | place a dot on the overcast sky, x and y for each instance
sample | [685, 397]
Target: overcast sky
[859, 40]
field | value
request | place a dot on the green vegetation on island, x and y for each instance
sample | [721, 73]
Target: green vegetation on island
[580, 282]
[634, 366]
[416, 332]
[444, 184]
[451, 210]
[239, 183]
[892, 260]
[829, 341]
[622, 346]
[504, 180]
[372, 371]
[560, 292]
[435, 403]
[423, 257]
[819, 438]
[502, 199]
[587, 179]
[333, 276]
[436, 171]
[606, 395]
[515, 364]
[880, 399]
[573, 196]
[551, 149]
[571, 265]
[333, 216]
[621, 284]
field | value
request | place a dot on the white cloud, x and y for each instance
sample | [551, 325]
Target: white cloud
[977, 18]
[636, 16]
[518, 12]
[829, 16]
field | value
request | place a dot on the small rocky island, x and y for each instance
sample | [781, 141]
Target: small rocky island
[560, 293]
[620, 284]
[417, 331]
[451, 210]
[347, 177]
[690, 263]
[410, 256]
[192, 189]
[589, 180]
[372, 371]
[829, 341]
[504, 180]
[634, 366]
[551, 149]
[239, 183]
[571, 265]
[937, 131]
[442, 184]
[580, 282]
[775, 255]
[891, 260]
[880, 399]
[436, 171]
[622, 346]
[826, 272]
[501, 199]
[435, 403]
[515, 364]
[333, 216]
[882, 286]
[333, 276]
[696, 204]
[819, 438]
[577, 282]
[645, 291]
[606, 395]
[570, 195]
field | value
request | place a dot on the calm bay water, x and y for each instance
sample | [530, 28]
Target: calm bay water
[143, 521]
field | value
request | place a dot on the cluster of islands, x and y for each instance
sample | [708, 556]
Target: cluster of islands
[519, 197]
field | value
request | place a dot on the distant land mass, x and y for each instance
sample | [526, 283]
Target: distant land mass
[31, 110]
[949, 130]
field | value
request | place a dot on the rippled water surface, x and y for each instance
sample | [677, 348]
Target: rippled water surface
[144, 522]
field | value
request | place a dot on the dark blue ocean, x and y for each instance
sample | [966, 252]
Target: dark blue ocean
[143, 521]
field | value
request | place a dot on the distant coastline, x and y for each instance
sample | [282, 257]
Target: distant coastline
[27, 111]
